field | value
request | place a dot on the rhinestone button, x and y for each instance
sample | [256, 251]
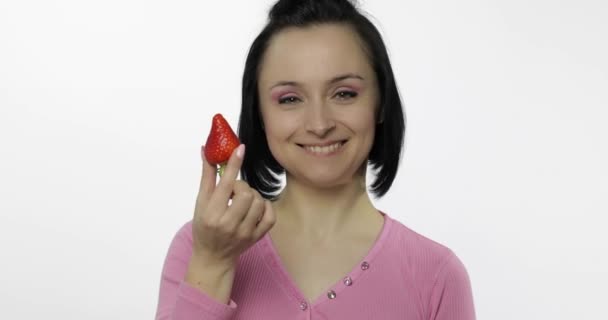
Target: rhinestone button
[303, 305]
[331, 294]
[348, 281]
[364, 265]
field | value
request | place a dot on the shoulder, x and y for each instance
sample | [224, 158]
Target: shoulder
[184, 232]
[421, 257]
[181, 244]
[414, 245]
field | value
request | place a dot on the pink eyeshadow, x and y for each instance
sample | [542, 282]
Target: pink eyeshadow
[352, 87]
[275, 96]
[279, 93]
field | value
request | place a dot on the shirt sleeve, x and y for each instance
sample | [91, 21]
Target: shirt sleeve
[451, 296]
[177, 300]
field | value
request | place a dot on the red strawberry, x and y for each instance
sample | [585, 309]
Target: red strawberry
[220, 143]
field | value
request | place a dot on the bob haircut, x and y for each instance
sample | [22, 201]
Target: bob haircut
[260, 169]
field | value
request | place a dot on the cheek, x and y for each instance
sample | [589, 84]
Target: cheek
[279, 127]
[364, 126]
[278, 134]
[363, 120]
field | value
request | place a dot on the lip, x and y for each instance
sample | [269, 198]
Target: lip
[338, 150]
[322, 144]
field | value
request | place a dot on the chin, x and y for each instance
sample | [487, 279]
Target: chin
[323, 175]
[323, 180]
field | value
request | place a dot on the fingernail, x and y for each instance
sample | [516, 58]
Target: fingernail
[240, 151]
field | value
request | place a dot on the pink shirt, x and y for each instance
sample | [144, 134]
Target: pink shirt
[403, 276]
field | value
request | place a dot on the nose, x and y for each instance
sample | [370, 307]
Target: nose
[320, 120]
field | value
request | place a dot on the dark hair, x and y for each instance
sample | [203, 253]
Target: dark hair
[260, 169]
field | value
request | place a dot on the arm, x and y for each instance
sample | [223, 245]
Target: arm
[451, 296]
[180, 300]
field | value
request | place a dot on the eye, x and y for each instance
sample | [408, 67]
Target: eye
[346, 94]
[288, 100]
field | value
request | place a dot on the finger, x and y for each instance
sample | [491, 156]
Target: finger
[208, 178]
[256, 210]
[234, 215]
[225, 187]
[239, 186]
[267, 222]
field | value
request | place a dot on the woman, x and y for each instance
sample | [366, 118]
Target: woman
[319, 104]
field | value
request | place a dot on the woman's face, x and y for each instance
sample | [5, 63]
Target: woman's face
[318, 99]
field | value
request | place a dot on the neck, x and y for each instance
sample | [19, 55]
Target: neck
[323, 213]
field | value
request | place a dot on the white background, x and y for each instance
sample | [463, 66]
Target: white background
[104, 106]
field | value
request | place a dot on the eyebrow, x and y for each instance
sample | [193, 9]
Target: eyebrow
[331, 81]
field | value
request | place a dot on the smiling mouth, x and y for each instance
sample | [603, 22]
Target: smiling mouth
[323, 150]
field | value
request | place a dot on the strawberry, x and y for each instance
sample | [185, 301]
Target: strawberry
[220, 143]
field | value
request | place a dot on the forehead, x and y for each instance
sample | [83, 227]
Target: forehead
[314, 53]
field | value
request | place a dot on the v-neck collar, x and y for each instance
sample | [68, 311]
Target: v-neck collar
[276, 266]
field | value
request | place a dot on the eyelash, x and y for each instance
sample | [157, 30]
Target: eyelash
[351, 94]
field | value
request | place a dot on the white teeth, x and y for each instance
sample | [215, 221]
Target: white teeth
[325, 149]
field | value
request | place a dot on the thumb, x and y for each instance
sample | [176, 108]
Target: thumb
[208, 178]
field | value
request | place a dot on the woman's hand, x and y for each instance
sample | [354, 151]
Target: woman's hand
[221, 230]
